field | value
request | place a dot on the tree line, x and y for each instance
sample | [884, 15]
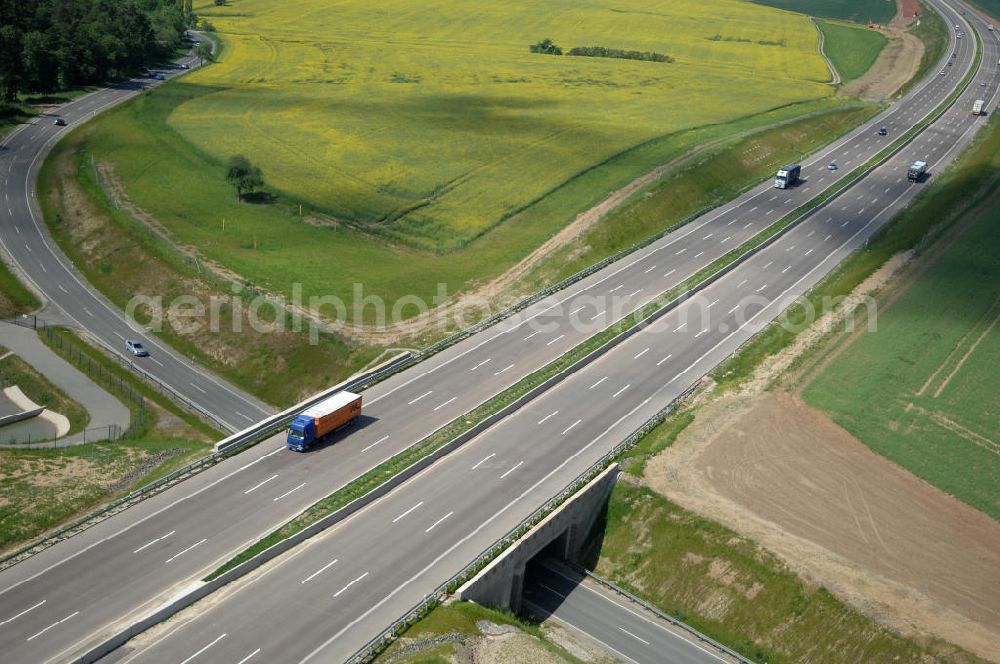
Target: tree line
[548, 47]
[51, 45]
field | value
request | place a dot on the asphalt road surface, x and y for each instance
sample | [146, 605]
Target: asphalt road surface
[26, 240]
[58, 602]
[626, 630]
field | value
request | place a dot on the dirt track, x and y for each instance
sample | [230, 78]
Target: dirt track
[842, 516]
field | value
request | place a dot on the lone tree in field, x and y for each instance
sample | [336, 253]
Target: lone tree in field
[243, 176]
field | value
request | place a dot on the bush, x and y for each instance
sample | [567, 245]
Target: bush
[547, 47]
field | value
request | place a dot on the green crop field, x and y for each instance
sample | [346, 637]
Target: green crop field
[407, 134]
[923, 389]
[859, 11]
[433, 129]
[991, 7]
[851, 49]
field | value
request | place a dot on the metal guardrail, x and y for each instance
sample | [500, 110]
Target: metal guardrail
[370, 650]
[233, 443]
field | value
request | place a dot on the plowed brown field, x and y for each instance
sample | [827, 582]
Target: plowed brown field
[843, 516]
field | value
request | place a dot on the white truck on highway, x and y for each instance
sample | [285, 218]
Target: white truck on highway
[977, 108]
[916, 171]
[787, 176]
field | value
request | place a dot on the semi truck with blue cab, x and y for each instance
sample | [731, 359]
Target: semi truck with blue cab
[309, 426]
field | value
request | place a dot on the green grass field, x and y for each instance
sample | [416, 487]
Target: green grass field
[858, 11]
[851, 49]
[431, 130]
[923, 390]
[271, 246]
[422, 134]
[991, 7]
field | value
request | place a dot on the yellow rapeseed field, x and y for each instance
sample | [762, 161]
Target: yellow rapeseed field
[431, 121]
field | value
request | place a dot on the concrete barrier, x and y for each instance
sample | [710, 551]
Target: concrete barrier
[500, 583]
[20, 417]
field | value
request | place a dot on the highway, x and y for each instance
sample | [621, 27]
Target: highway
[333, 593]
[626, 630]
[136, 559]
[26, 241]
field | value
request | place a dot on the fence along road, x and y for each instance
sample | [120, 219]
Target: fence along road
[209, 517]
[345, 585]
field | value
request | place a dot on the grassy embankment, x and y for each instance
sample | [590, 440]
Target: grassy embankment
[15, 371]
[45, 488]
[852, 49]
[455, 624]
[856, 11]
[15, 298]
[123, 259]
[710, 179]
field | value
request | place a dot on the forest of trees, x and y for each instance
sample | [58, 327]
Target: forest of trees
[50, 45]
